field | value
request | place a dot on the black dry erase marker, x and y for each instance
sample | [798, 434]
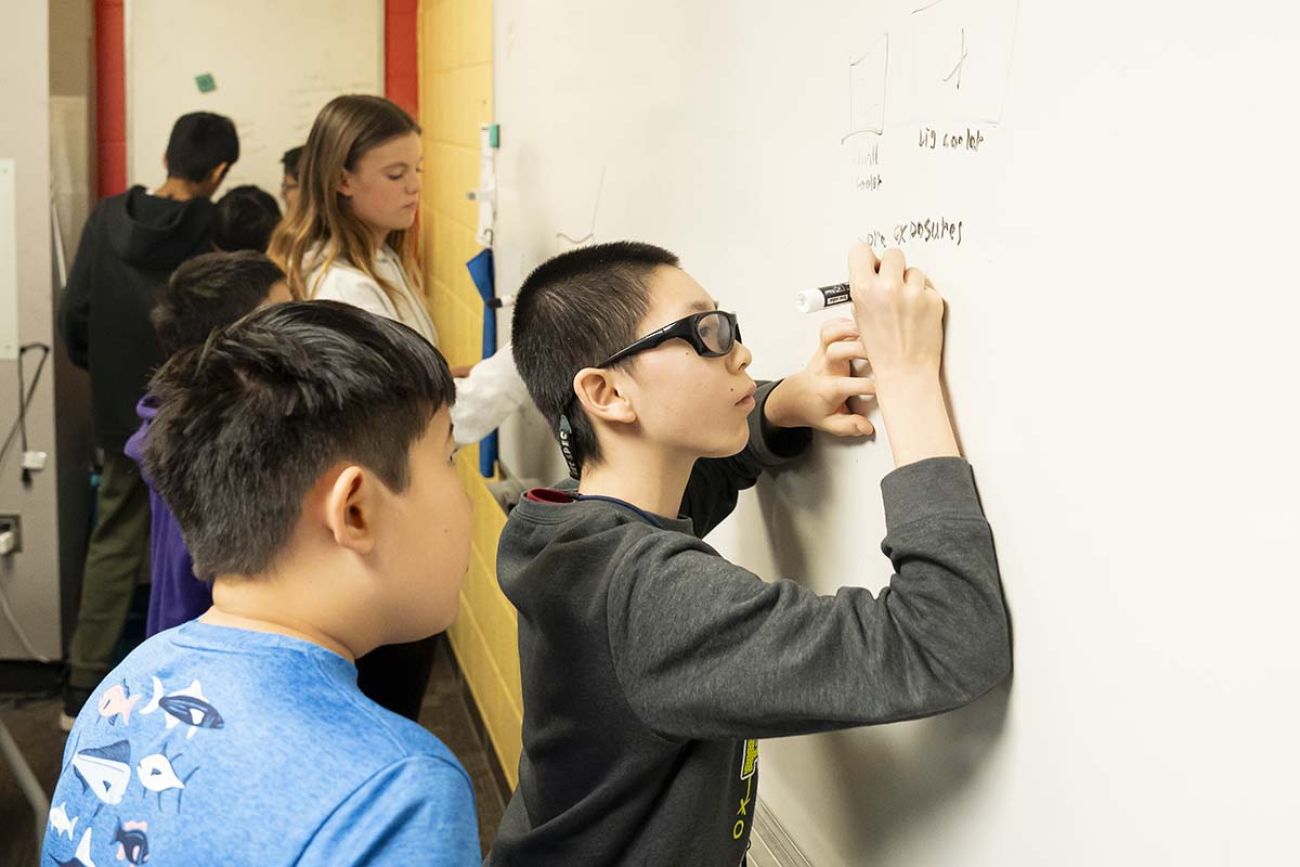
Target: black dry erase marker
[810, 300]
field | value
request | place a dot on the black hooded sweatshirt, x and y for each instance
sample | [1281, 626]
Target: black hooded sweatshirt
[131, 244]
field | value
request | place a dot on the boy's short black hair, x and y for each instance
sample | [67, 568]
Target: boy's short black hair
[244, 219]
[200, 142]
[248, 421]
[574, 311]
[290, 161]
[209, 292]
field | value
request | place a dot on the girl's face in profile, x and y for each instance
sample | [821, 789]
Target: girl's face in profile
[384, 189]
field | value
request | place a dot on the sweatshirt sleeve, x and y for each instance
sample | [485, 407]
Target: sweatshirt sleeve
[491, 393]
[74, 310]
[715, 483]
[705, 649]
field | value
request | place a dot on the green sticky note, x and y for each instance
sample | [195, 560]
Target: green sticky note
[206, 82]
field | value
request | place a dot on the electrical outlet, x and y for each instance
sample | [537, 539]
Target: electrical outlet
[14, 524]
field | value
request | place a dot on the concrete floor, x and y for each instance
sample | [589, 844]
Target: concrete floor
[34, 724]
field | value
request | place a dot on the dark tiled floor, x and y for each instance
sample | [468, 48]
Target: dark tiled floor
[34, 724]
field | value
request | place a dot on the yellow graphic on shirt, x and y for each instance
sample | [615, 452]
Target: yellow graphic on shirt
[748, 765]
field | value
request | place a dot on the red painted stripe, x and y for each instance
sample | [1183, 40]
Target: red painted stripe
[402, 53]
[110, 96]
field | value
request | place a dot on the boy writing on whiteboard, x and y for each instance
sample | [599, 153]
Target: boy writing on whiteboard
[650, 664]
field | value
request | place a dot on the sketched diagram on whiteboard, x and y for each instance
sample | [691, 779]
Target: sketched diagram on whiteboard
[565, 242]
[961, 59]
[868, 80]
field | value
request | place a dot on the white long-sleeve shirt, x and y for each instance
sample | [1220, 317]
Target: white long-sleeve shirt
[351, 285]
[491, 393]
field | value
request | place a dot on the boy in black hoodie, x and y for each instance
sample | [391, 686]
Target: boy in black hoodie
[131, 244]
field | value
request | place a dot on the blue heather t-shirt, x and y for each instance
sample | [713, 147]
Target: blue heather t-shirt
[213, 745]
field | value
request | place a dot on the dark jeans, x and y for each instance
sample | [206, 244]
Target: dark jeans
[116, 561]
[396, 676]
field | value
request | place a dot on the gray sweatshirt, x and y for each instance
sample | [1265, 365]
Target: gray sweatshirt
[651, 664]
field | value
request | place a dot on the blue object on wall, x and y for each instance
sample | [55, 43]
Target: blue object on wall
[483, 273]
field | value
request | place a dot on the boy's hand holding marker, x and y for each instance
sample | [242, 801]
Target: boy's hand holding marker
[900, 319]
[898, 329]
[818, 395]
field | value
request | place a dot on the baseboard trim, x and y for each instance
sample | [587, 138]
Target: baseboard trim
[771, 844]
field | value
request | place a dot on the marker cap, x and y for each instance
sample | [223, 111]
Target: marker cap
[810, 300]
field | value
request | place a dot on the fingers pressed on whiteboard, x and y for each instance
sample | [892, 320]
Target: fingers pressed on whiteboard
[845, 387]
[862, 260]
[835, 330]
[892, 265]
[848, 425]
[846, 350]
[915, 280]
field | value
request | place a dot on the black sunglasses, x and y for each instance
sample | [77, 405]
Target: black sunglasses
[712, 333]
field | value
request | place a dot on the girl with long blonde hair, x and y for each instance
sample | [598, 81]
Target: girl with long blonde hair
[349, 237]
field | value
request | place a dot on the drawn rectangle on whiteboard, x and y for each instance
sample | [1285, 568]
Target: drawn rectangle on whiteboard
[962, 60]
[867, 78]
[8, 263]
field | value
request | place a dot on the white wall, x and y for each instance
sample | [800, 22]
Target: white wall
[275, 65]
[31, 579]
[1122, 308]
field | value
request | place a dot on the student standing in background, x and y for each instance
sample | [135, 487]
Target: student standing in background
[245, 219]
[289, 183]
[350, 238]
[206, 293]
[131, 244]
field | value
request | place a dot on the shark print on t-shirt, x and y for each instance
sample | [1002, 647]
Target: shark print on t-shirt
[217, 745]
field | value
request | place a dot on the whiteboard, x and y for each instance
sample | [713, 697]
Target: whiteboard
[275, 66]
[1110, 193]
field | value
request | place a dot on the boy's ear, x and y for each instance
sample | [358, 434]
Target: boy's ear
[349, 509]
[600, 397]
[217, 175]
[279, 293]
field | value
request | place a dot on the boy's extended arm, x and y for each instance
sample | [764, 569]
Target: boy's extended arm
[715, 483]
[74, 310]
[705, 649]
[900, 317]
[490, 393]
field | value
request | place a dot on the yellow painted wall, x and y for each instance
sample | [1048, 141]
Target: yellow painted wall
[455, 98]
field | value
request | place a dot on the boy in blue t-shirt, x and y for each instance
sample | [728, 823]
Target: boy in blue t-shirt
[306, 452]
